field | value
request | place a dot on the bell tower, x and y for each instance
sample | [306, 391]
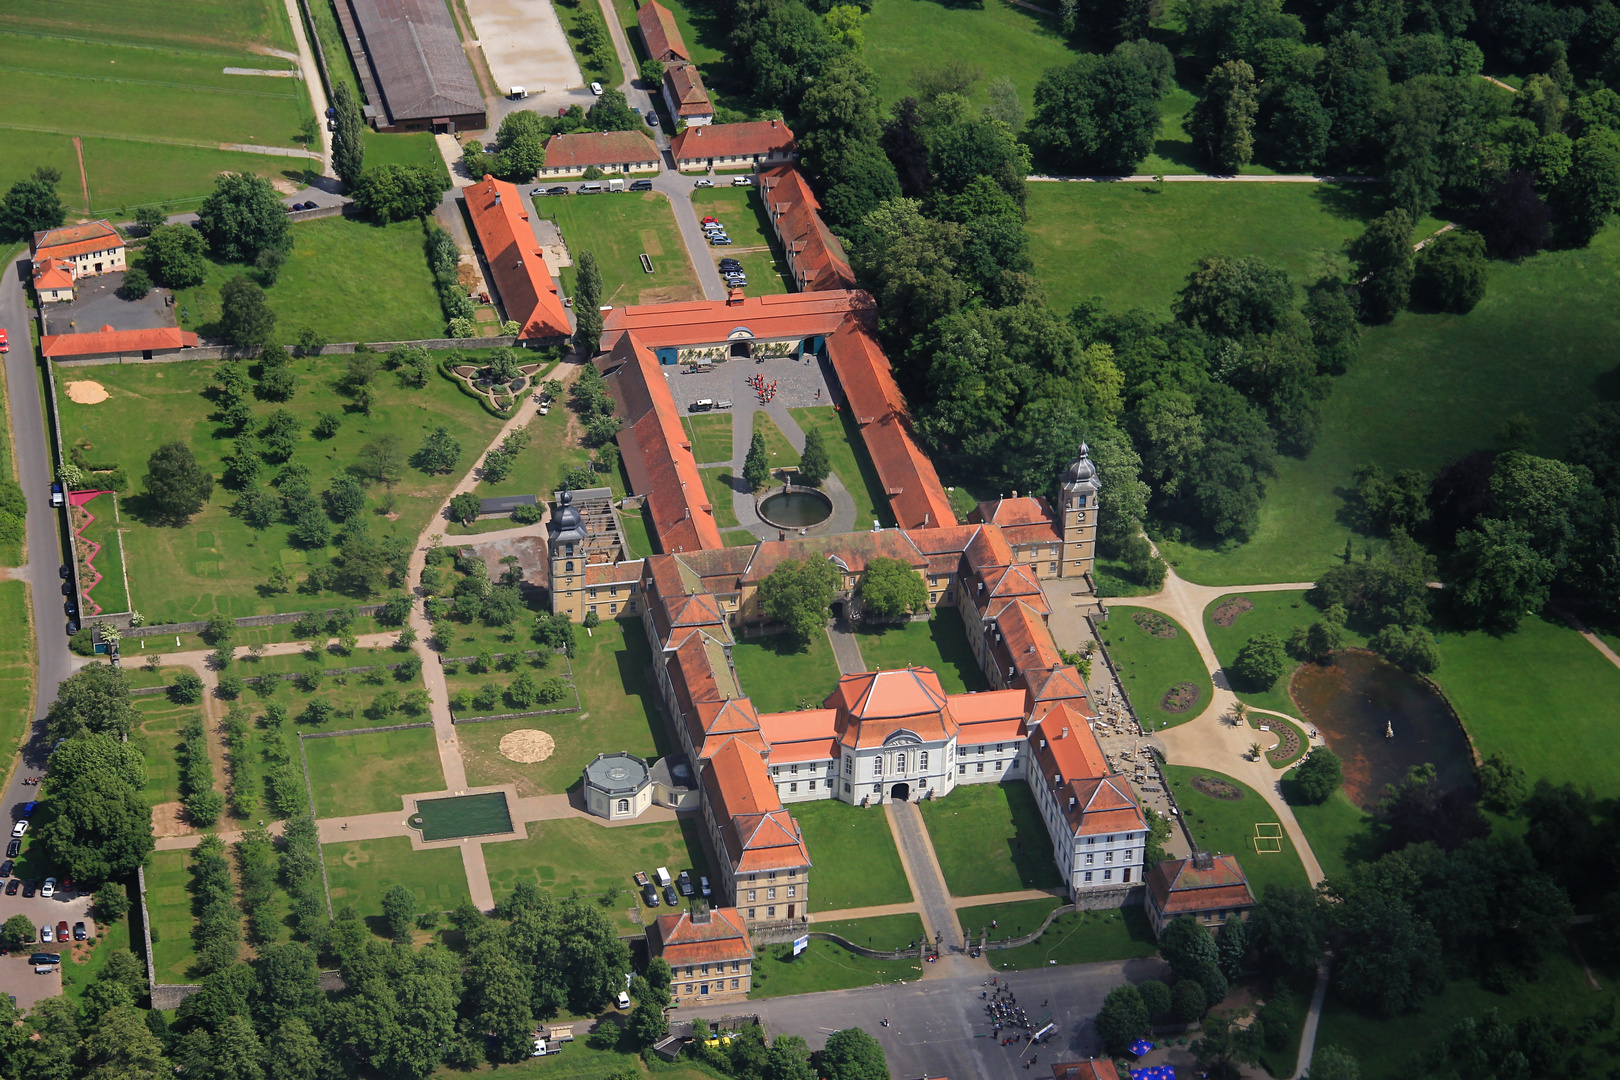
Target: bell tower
[1078, 521]
[567, 550]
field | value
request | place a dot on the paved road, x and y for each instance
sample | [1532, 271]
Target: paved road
[1208, 178]
[922, 871]
[938, 1027]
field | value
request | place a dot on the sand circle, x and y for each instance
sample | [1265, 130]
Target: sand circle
[86, 392]
[527, 746]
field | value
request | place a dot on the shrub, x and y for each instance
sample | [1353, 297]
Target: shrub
[111, 902]
[187, 688]
[528, 515]
[84, 642]
[1320, 776]
[1451, 272]
[137, 283]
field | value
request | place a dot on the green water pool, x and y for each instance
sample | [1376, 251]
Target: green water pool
[462, 815]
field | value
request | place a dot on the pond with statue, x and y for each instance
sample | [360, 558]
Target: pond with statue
[1381, 721]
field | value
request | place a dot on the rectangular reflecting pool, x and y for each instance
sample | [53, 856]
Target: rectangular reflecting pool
[462, 815]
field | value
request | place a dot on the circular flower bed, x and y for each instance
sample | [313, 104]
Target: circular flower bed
[1217, 789]
[1230, 609]
[1154, 623]
[1180, 697]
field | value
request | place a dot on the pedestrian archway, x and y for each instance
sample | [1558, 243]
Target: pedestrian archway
[900, 792]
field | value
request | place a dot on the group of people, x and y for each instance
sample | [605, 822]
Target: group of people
[765, 390]
[1002, 1005]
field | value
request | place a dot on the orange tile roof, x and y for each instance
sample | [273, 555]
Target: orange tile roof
[754, 829]
[162, 339]
[613, 573]
[685, 85]
[741, 784]
[813, 252]
[1072, 764]
[53, 274]
[72, 240]
[657, 452]
[683, 941]
[788, 753]
[805, 735]
[1072, 756]
[1024, 510]
[874, 705]
[1025, 643]
[604, 149]
[705, 322]
[852, 551]
[756, 138]
[659, 32]
[1178, 886]
[1059, 684]
[527, 290]
[1102, 1069]
[987, 706]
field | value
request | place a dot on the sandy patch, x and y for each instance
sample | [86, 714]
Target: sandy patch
[527, 746]
[285, 186]
[87, 392]
[169, 819]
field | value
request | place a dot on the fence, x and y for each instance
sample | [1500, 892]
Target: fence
[361, 610]
[354, 731]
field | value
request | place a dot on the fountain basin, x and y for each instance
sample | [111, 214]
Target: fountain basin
[795, 508]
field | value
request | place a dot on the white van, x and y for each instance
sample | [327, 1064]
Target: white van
[590, 189]
[616, 184]
[518, 92]
[661, 875]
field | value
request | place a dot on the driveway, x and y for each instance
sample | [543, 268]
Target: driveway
[96, 303]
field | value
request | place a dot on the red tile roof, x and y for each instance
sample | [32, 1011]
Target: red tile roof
[681, 940]
[103, 342]
[1085, 1070]
[757, 138]
[1025, 520]
[73, 240]
[613, 573]
[657, 453]
[527, 290]
[991, 716]
[1071, 763]
[604, 149]
[685, 85]
[1179, 887]
[707, 322]
[659, 32]
[814, 253]
[754, 829]
[53, 274]
[873, 705]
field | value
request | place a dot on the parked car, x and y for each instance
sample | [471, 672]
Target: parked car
[30, 888]
[14, 849]
[623, 1000]
[713, 226]
[46, 934]
[29, 808]
[48, 890]
[641, 185]
[596, 88]
[5, 868]
[57, 497]
[685, 882]
[45, 958]
[79, 932]
[62, 932]
[742, 181]
[539, 191]
[5, 345]
[652, 118]
[63, 571]
[704, 183]
[720, 241]
[669, 896]
[12, 886]
[711, 221]
[703, 887]
[649, 893]
[560, 189]
[19, 829]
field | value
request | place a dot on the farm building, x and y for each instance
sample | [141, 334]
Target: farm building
[686, 96]
[123, 344]
[411, 65]
[610, 151]
[660, 34]
[760, 143]
[517, 267]
[86, 250]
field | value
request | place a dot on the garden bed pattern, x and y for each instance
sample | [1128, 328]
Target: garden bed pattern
[1287, 742]
[1217, 789]
[88, 549]
[1230, 609]
[1153, 623]
[1180, 697]
[502, 397]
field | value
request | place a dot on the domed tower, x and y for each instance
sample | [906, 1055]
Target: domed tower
[1078, 521]
[566, 538]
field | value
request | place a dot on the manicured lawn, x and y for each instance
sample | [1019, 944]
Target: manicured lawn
[939, 643]
[850, 463]
[717, 486]
[168, 905]
[904, 37]
[403, 148]
[779, 675]
[823, 966]
[1340, 835]
[989, 839]
[1084, 937]
[208, 26]
[573, 853]
[158, 737]
[539, 468]
[1173, 152]
[638, 536]
[1384, 1048]
[1273, 612]
[742, 211]
[620, 228]
[1416, 397]
[109, 592]
[16, 665]
[1554, 718]
[367, 774]
[778, 450]
[393, 300]
[619, 711]
[880, 932]
[361, 871]
[1151, 666]
[856, 863]
[1223, 825]
[1012, 920]
[711, 437]
[215, 563]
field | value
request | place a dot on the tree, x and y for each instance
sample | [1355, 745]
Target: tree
[1450, 272]
[186, 688]
[245, 319]
[121, 1047]
[1155, 997]
[18, 930]
[611, 112]
[1100, 113]
[891, 588]
[1331, 1063]
[176, 256]
[1261, 661]
[95, 699]
[1236, 298]
[243, 216]
[268, 263]
[97, 829]
[1500, 575]
[757, 465]
[111, 902]
[438, 453]
[31, 206]
[1122, 1020]
[852, 1054]
[1300, 128]
[797, 594]
[1384, 258]
[381, 459]
[149, 217]
[348, 137]
[1591, 191]
[399, 911]
[1223, 119]
[1389, 960]
[394, 192]
[1517, 221]
[1232, 944]
[814, 466]
[1410, 648]
[136, 284]
[587, 304]
[1502, 784]
[175, 486]
[1187, 1001]
[465, 507]
[1320, 776]
[500, 994]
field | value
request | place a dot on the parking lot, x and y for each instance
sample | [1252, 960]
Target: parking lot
[96, 303]
[16, 973]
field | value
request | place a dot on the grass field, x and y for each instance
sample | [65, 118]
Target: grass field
[1428, 388]
[619, 229]
[350, 695]
[16, 665]
[168, 906]
[989, 839]
[857, 864]
[940, 643]
[367, 774]
[573, 854]
[1150, 665]
[109, 592]
[361, 871]
[619, 711]
[904, 37]
[779, 676]
[199, 27]
[711, 437]
[78, 974]
[1557, 716]
[216, 563]
[850, 462]
[393, 300]
[880, 932]
[158, 736]
[778, 449]
[1084, 937]
[1340, 835]
[717, 486]
[1227, 826]
[823, 966]
[1274, 612]
[1012, 920]
[742, 211]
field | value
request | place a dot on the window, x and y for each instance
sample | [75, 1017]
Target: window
[624, 806]
[877, 789]
[593, 594]
[734, 984]
[770, 912]
[849, 765]
[877, 765]
[794, 769]
[1108, 875]
[793, 787]
[933, 598]
[900, 763]
[846, 787]
[1090, 858]
[981, 767]
[1127, 873]
[1000, 747]
[688, 988]
[705, 970]
[998, 766]
[1109, 857]
[961, 770]
[569, 567]
[1088, 878]
[776, 770]
[751, 895]
[689, 971]
[736, 966]
[812, 785]
[922, 761]
[771, 876]
[613, 609]
[793, 890]
[750, 910]
[981, 748]
[613, 590]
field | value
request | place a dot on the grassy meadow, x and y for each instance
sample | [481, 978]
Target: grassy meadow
[1151, 665]
[619, 228]
[989, 839]
[857, 864]
[368, 773]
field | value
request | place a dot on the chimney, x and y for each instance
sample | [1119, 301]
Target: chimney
[497, 198]
[1203, 860]
[1072, 802]
[1065, 733]
[701, 915]
[1015, 493]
